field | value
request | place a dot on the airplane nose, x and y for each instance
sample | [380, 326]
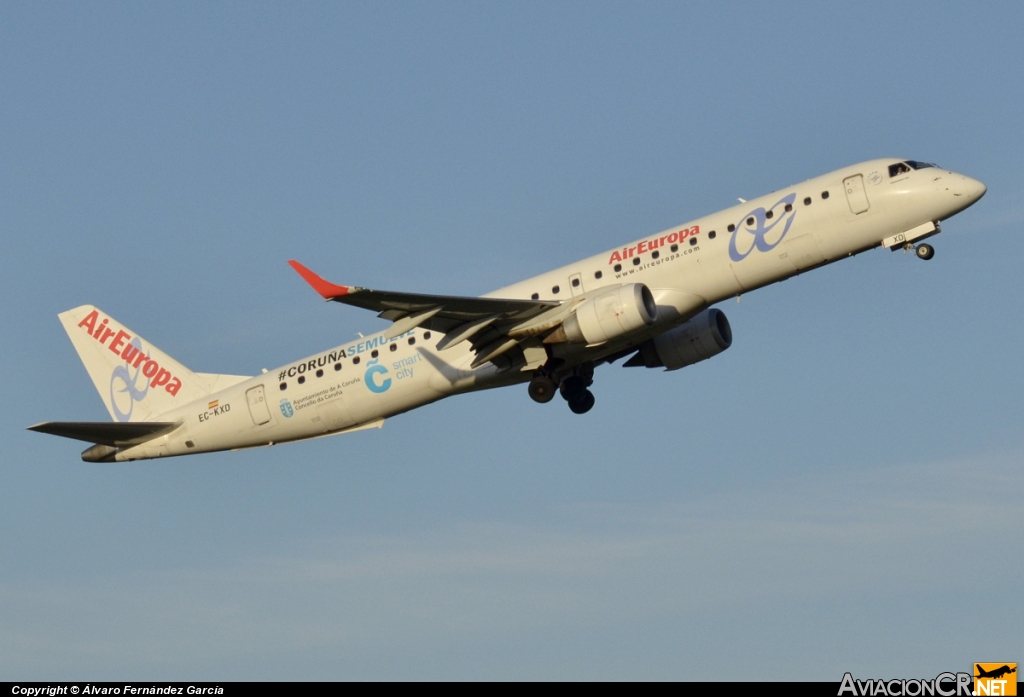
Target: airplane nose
[965, 191]
[975, 189]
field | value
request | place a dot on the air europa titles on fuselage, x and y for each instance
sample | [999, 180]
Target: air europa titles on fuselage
[336, 355]
[129, 349]
[653, 243]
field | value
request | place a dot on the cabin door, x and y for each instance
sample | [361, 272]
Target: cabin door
[855, 194]
[258, 405]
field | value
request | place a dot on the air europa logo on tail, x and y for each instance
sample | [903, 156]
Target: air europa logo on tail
[129, 348]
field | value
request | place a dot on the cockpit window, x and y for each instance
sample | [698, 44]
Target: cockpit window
[904, 167]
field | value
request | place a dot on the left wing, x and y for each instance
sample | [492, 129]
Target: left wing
[490, 324]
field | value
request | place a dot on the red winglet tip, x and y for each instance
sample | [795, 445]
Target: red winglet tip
[325, 288]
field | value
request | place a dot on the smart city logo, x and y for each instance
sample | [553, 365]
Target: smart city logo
[374, 371]
[762, 229]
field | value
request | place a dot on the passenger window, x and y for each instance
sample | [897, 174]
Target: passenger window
[394, 347]
[674, 248]
[374, 354]
[412, 340]
[693, 241]
[535, 296]
[654, 254]
[302, 379]
[618, 267]
[337, 366]
[284, 385]
[555, 289]
[597, 274]
[355, 361]
[769, 214]
[824, 194]
[807, 201]
[789, 207]
[575, 283]
[426, 335]
[750, 221]
[636, 261]
[732, 227]
[711, 235]
[320, 373]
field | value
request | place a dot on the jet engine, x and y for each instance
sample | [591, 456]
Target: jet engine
[609, 315]
[704, 336]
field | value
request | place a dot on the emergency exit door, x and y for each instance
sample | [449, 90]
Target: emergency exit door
[855, 194]
[258, 405]
[576, 284]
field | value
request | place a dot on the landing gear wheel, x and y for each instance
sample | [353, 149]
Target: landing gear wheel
[542, 389]
[571, 387]
[924, 251]
[582, 403]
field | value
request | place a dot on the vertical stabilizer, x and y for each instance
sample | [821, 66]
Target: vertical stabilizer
[136, 380]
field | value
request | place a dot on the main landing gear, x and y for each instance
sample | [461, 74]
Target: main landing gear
[573, 389]
[542, 389]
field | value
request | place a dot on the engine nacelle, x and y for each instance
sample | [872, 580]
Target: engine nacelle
[611, 314]
[704, 336]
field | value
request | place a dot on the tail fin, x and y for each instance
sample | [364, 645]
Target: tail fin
[136, 380]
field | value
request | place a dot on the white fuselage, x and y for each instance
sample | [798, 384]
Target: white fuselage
[688, 268]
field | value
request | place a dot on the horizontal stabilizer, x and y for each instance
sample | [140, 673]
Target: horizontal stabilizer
[105, 433]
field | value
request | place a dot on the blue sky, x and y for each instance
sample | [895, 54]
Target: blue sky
[833, 493]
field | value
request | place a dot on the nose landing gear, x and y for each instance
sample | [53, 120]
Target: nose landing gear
[924, 251]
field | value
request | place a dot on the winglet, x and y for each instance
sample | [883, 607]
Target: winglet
[325, 288]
